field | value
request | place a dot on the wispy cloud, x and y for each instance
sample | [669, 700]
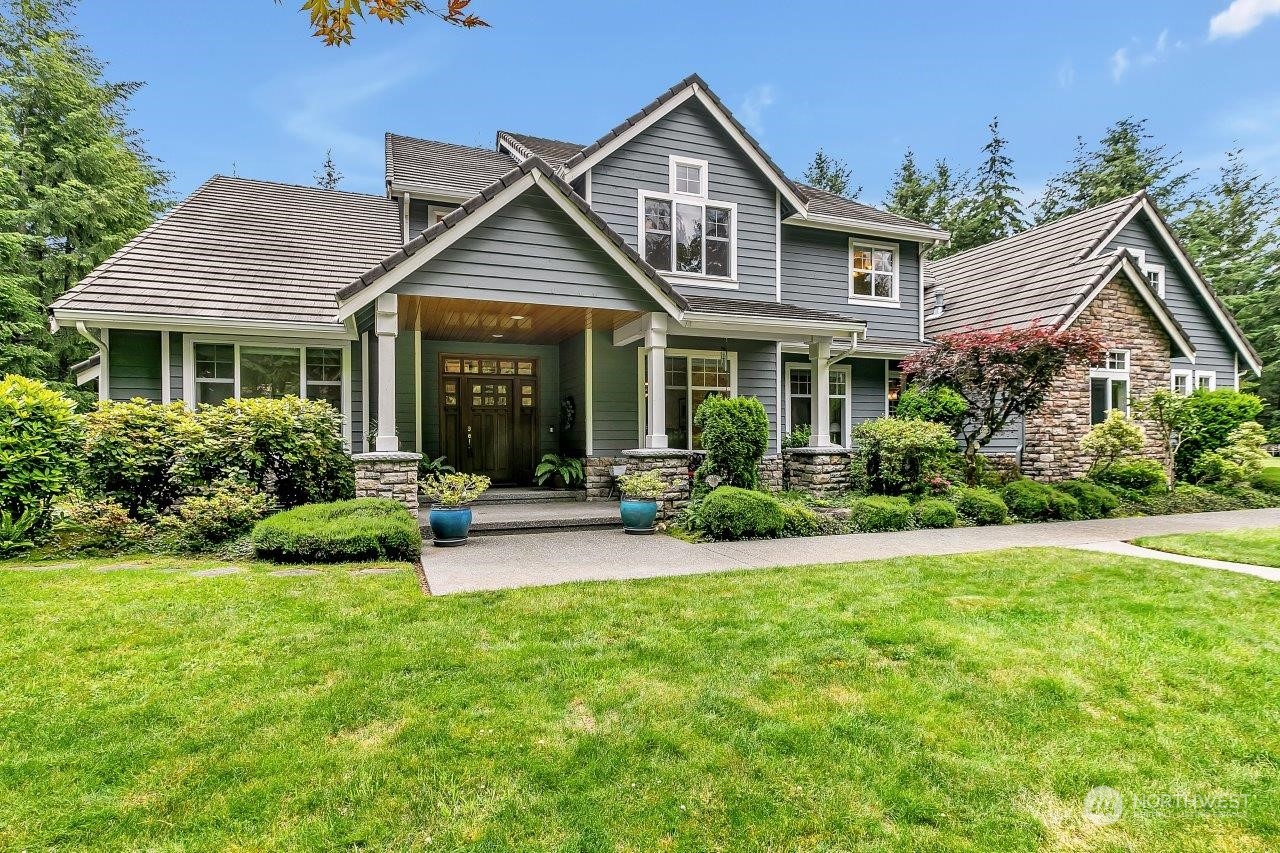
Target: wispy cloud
[1252, 126]
[1141, 54]
[1066, 74]
[1242, 17]
[322, 106]
[751, 112]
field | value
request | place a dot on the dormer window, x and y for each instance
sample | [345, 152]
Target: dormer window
[1153, 272]
[685, 233]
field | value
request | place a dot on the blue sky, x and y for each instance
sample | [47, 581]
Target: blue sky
[260, 95]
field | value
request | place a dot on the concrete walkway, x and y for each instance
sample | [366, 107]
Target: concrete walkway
[1126, 549]
[502, 562]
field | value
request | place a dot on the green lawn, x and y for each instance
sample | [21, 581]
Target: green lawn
[960, 703]
[1260, 547]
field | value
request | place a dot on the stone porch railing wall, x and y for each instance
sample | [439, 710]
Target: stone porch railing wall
[818, 471]
[771, 473]
[389, 475]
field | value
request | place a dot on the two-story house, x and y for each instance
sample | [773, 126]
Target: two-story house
[543, 296]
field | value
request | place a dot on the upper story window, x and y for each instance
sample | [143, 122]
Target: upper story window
[1154, 272]
[1206, 380]
[685, 233]
[873, 271]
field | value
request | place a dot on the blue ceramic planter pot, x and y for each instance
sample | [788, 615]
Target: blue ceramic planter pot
[449, 525]
[638, 515]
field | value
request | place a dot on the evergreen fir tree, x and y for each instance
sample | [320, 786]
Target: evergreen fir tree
[911, 193]
[328, 177]
[1125, 162]
[990, 210]
[831, 174]
[942, 195]
[78, 182]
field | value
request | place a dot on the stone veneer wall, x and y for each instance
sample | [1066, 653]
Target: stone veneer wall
[389, 475]
[770, 471]
[818, 471]
[1052, 435]
[673, 466]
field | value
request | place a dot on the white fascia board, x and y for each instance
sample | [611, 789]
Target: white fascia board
[89, 374]
[429, 193]
[693, 91]
[1189, 269]
[695, 320]
[871, 229]
[177, 323]
[1153, 302]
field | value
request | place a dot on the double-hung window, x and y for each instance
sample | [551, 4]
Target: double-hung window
[1109, 385]
[1181, 383]
[800, 401]
[684, 232]
[225, 370]
[873, 271]
[1206, 380]
[690, 376]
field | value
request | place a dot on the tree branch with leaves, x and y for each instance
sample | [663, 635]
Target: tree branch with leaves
[333, 21]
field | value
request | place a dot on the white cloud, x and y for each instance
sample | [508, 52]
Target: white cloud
[751, 113]
[1241, 17]
[1066, 75]
[1119, 64]
[1137, 55]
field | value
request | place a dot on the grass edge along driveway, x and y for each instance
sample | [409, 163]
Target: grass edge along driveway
[1257, 546]
[950, 703]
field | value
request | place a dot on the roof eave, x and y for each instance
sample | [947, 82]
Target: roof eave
[862, 226]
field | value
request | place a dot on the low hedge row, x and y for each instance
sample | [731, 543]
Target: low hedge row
[341, 532]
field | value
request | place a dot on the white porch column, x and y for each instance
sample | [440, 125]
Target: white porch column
[655, 338]
[386, 325]
[820, 372]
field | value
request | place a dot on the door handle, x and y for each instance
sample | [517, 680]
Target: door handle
[470, 452]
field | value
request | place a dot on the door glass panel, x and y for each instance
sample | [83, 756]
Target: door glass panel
[525, 368]
[453, 365]
[507, 368]
[488, 366]
[470, 365]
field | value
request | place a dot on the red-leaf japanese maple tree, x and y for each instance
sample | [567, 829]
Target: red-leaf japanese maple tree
[1001, 374]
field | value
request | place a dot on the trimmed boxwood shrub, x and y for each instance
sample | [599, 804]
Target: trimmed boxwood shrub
[981, 506]
[876, 514]
[735, 434]
[1095, 501]
[1136, 475]
[1034, 501]
[934, 513]
[1268, 480]
[733, 513]
[341, 532]
[39, 438]
[1211, 416]
[799, 520]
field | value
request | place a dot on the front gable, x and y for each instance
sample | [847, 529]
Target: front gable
[643, 164]
[529, 251]
[1208, 326]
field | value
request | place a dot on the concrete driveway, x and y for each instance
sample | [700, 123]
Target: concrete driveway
[538, 559]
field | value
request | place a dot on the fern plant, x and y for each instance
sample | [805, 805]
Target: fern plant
[567, 468]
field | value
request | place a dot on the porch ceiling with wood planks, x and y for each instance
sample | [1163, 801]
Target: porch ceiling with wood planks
[482, 321]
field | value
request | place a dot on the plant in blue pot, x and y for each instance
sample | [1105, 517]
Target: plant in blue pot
[639, 505]
[451, 496]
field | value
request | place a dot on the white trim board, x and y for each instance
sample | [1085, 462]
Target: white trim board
[1125, 263]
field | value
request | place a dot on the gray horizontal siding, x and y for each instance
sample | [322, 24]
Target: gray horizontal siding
[815, 274]
[573, 383]
[133, 367]
[357, 397]
[406, 392]
[1213, 350]
[644, 163]
[176, 391]
[530, 251]
[615, 404]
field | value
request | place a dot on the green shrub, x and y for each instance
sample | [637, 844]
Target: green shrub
[934, 513]
[1210, 417]
[17, 532]
[729, 512]
[895, 455]
[879, 513]
[939, 404]
[290, 448]
[735, 435]
[345, 531]
[1095, 501]
[1238, 462]
[1032, 501]
[1268, 480]
[1113, 439]
[39, 442]
[201, 522]
[981, 506]
[96, 526]
[1184, 498]
[130, 450]
[798, 437]
[1134, 475]
[799, 520]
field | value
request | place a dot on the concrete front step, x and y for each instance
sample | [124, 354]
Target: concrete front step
[541, 517]
[527, 495]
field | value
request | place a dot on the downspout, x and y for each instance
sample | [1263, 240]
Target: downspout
[104, 363]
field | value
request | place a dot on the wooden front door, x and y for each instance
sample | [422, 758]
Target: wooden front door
[488, 418]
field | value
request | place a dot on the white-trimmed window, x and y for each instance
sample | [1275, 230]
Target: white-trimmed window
[1180, 383]
[873, 271]
[685, 233]
[1109, 385]
[800, 401]
[1206, 380]
[1153, 271]
[690, 376]
[892, 387]
[225, 370]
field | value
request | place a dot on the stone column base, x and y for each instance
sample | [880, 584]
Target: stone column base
[672, 466]
[770, 471]
[389, 475]
[818, 471]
